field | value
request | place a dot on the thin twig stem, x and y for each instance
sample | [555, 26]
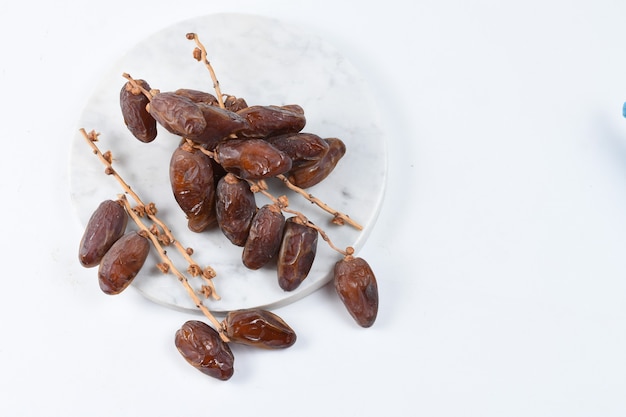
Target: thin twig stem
[203, 58]
[194, 269]
[163, 254]
[339, 217]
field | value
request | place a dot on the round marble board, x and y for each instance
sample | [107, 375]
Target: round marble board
[265, 61]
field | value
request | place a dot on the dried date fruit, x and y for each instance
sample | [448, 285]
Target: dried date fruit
[133, 104]
[308, 175]
[252, 158]
[220, 123]
[177, 114]
[264, 121]
[192, 182]
[122, 262]
[235, 207]
[296, 253]
[105, 226]
[197, 96]
[202, 348]
[258, 328]
[356, 286]
[303, 148]
[263, 241]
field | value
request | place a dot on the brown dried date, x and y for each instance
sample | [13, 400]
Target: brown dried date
[122, 262]
[302, 148]
[252, 158]
[235, 207]
[296, 253]
[105, 226]
[192, 182]
[356, 286]
[307, 176]
[220, 123]
[264, 121]
[258, 328]
[202, 348]
[177, 114]
[133, 104]
[263, 241]
[197, 96]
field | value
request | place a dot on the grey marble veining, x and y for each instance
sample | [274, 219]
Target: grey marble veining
[266, 62]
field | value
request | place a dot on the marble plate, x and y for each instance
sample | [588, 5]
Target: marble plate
[266, 61]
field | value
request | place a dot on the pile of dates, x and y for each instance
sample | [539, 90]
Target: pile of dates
[225, 148]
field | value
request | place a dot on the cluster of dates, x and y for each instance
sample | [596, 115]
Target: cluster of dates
[227, 150]
[247, 143]
[121, 254]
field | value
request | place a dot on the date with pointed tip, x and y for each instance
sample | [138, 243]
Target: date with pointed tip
[137, 119]
[105, 226]
[121, 264]
[258, 328]
[266, 232]
[192, 182]
[235, 207]
[357, 288]
[296, 254]
[203, 348]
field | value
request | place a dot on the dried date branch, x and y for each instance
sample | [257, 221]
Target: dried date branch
[283, 203]
[338, 217]
[171, 267]
[166, 237]
[138, 87]
[200, 54]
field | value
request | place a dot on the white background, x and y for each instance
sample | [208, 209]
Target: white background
[499, 250]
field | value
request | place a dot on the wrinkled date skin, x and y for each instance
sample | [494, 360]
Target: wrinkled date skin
[296, 254]
[133, 104]
[192, 181]
[264, 121]
[177, 114]
[258, 328]
[197, 96]
[235, 207]
[308, 175]
[220, 123]
[252, 159]
[303, 148]
[357, 288]
[105, 226]
[202, 348]
[122, 263]
[264, 238]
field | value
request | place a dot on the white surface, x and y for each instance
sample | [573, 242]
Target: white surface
[266, 61]
[499, 249]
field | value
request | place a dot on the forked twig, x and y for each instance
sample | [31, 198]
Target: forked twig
[166, 238]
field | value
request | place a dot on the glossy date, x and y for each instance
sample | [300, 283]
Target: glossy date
[105, 226]
[202, 348]
[252, 158]
[296, 253]
[263, 241]
[137, 119]
[258, 328]
[192, 182]
[357, 288]
[235, 207]
[121, 264]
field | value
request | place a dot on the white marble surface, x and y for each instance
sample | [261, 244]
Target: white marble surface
[266, 62]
